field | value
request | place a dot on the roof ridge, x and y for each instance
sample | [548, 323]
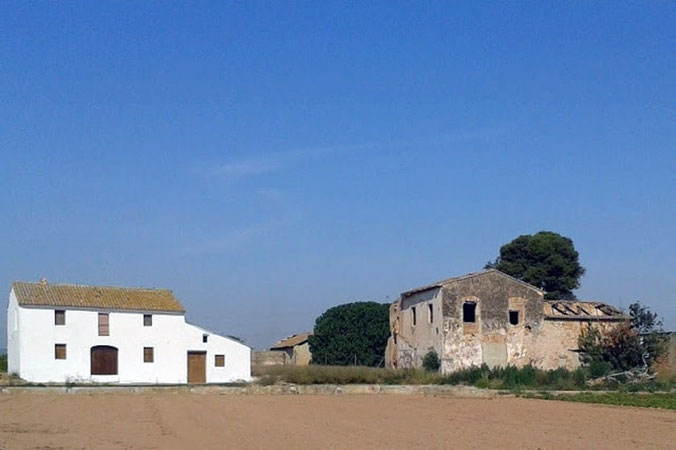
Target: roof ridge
[70, 295]
[465, 277]
[91, 286]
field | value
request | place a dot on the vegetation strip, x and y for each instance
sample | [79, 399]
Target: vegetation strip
[645, 400]
[507, 378]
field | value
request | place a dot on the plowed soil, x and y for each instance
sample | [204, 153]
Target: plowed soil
[189, 421]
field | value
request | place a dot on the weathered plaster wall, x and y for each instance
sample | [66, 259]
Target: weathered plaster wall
[301, 354]
[491, 339]
[556, 345]
[269, 358]
[666, 366]
[413, 341]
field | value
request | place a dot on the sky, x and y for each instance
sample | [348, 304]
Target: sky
[269, 160]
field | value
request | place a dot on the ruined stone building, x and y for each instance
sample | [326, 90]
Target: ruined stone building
[492, 318]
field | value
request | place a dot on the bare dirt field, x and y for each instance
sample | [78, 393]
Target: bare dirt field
[189, 421]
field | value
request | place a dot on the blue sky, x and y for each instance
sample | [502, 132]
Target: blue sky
[267, 160]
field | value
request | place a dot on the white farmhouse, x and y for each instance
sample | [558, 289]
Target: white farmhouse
[73, 333]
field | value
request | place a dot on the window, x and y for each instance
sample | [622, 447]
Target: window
[104, 324]
[59, 317]
[414, 315]
[430, 313]
[219, 361]
[104, 360]
[147, 320]
[469, 312]
[59, 351]
[148, 354]
[514, 317]
[205, 338]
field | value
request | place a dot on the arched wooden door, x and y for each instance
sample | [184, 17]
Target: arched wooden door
[104, 360]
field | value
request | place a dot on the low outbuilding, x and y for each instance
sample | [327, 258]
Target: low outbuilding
[296, 348]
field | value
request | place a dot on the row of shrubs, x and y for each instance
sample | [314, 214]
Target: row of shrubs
[3, 363]
[527, 377]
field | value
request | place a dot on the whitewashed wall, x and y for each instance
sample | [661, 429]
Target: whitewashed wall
[13, 342]
[31, 347]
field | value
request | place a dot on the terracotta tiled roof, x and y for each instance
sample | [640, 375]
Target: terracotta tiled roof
[292, 341]
[577, 310]
[98, 297]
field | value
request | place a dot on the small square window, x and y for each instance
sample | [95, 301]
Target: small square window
[147, 320]
[59, 351]
[59, 317]
[469, 312]
[220, 361]
[205, 338]
[514, 317]
[148, 354]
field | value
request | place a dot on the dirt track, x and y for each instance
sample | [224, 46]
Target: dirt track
[372, 421]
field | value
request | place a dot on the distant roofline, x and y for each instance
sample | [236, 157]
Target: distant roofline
[441, 283]
[292, 341]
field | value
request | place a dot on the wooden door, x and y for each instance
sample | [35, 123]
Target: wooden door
[197, 367]
[103, 360]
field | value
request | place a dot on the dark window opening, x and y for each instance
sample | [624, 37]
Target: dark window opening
[430, 313]
[219, 361]
[469, 312]
[514, 317]
[59, 317]
[59, 351]
[414, 315]
[147, 320]
[104, 360]
[205, 338]
[148, 354]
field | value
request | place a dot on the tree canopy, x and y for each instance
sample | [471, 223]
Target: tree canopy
[353, 333]
[635, 344]
[546, 260]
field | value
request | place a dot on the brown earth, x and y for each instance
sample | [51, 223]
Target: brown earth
[167, 420]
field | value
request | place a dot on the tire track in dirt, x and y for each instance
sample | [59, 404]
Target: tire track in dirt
[156, 416]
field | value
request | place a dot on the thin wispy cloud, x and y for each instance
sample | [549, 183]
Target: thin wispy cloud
[243, 169]
[237, 170]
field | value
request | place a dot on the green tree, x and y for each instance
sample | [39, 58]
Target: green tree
[353, 333]
[630, 345]
[546, 260]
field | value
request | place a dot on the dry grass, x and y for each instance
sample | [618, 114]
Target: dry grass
[505, 378]
[316, 374]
